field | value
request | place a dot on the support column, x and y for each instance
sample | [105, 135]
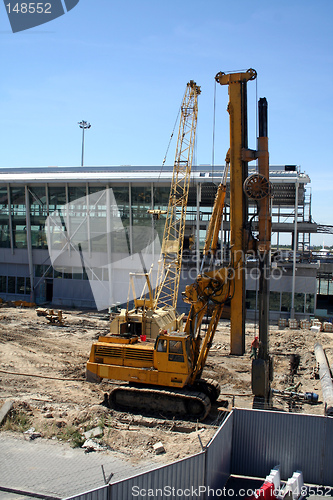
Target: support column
[238, 212]
[152, 220]
[197, 244]
[88, 219]
[10, 219]
[237, 108]
[109, 242]
[47, 222]
[29, 243]
[262, 367]
[130, 218]
[264, 232]
[292, 310]
[68, 228]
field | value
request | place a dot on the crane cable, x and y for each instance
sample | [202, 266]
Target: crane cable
[42, 376]
[213, 145]
[171, 136]
[167, 149]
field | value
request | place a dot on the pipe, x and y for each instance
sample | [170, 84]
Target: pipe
[293, 286]
[325, 379]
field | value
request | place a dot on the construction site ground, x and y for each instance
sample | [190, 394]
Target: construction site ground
[42, 370]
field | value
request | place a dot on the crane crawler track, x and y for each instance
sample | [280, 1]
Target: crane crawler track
[210, 387]
[183, 403]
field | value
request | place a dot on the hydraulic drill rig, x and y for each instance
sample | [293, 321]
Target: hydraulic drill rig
[256, 187]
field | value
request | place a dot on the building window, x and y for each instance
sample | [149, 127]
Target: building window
[76, 193]
[38, 214]
[57, 199]
[97, 218]
[274, 301]
[141, 202]
[4, 233]
[57, 273]
[4, 219]
[250, 299]
[3, 284]
[309, 303]
[121, 194]
[20, 285]
[27, 286]
[161, 202]
[18, 211]
[39, 271]
[77, 273]
[286, 302]
[11, 284]
[299, 302]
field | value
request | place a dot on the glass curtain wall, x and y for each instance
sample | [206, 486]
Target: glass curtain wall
[121, 241]
[38, 214]
[77, 225]
[4, 218]
[18, 212]
[161, 201]
[141, 202]
[57, 201]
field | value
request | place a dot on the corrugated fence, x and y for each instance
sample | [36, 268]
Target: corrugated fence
[263, 439]
[249, 443]
[177, 480]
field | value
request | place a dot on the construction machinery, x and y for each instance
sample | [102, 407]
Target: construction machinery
[154, 310]
[257, 188]
[165, 374]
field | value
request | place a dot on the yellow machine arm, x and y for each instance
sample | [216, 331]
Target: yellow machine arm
[210, 291]
[168, 275]
[208, 294]
[216, 218]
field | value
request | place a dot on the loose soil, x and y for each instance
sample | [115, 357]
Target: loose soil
[42, 369]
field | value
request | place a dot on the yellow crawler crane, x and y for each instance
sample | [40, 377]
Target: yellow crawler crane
[153, 311]
[164, 374]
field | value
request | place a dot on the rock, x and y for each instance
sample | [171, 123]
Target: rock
[96, 432]
[91, 445]
[32, 434]
[158, 448]
[60, 423]
[5, 409]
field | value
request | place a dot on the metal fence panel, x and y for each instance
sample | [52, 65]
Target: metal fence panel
[218, 456]
[180, 480]
[327, 479]
[264, 439]
[98, 494]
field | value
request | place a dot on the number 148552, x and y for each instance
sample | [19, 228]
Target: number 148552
[29, 8]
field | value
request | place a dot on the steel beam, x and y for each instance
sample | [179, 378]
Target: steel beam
[237, 108]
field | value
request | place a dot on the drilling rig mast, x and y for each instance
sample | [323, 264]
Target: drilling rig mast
[153, 312]
[168, 277]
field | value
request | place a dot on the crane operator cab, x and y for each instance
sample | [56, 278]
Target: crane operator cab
[167, 361]
[176, 345]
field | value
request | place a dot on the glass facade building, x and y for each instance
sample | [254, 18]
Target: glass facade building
[29, 198]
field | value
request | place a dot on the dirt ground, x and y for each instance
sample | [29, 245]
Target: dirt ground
[42, 369]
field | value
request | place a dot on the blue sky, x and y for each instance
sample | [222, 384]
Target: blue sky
[123, 66]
